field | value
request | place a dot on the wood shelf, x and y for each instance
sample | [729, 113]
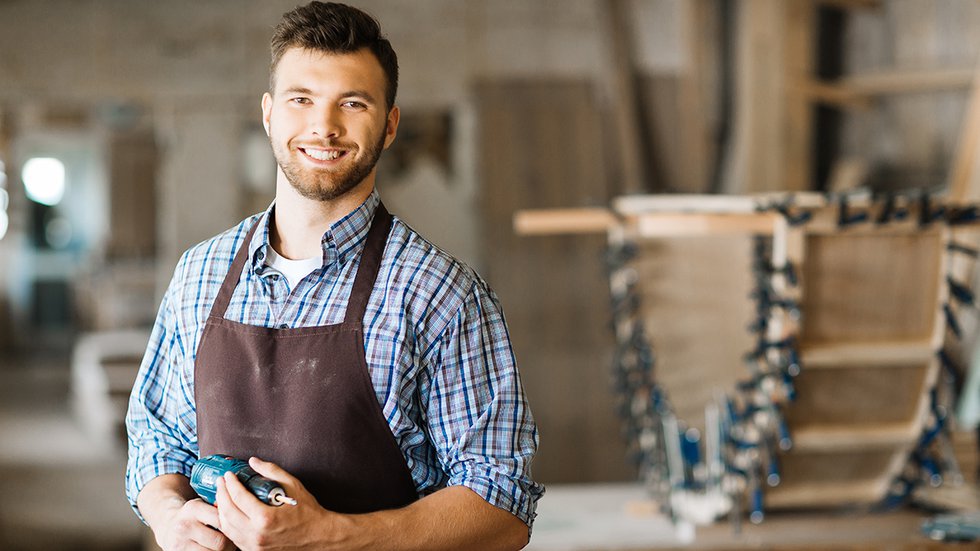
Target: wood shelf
[898, 353]
[858, 91]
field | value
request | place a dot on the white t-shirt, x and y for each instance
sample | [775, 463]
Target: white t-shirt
[292, 270]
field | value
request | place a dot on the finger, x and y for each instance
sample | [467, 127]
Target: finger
[204, 513]
[210, 539]
[229, 515]
[243, 500]
[269, 469]
[203, 537]
[196, 516]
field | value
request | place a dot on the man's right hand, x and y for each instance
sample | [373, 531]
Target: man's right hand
[179, 519]
[190, 527]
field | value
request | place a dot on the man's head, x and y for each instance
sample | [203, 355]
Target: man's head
[330, 112]
[333, 28]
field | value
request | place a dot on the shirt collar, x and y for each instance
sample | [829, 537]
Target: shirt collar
[343, 239]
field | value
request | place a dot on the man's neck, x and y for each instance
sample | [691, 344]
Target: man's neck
[299, 223]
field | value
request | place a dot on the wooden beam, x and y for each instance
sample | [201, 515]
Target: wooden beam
[564, 221]
[696, 224]
[623, 96]
[859, 91]
[718, 204]
[963, 173]
[798, 63]
[876, 353]
[850, 437]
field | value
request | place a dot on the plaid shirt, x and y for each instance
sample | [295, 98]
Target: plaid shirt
[436, 345]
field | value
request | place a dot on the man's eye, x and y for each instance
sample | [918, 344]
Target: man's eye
[354, 105]
[301, 101]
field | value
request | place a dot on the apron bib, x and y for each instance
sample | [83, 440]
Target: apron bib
[303, 398]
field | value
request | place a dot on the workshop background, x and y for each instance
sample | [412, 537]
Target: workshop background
[130, 130]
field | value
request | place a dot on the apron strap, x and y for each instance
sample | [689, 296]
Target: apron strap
[231, 278]
[367, 271]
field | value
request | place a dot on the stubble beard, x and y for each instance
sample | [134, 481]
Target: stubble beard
[326, 185]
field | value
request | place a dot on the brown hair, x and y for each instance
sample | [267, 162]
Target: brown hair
[334, 28]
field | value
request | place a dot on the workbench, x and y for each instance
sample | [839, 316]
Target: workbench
[607, 517]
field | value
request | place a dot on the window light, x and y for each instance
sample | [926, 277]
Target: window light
[44, 180]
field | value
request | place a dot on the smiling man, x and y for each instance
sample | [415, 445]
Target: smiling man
[368, 372]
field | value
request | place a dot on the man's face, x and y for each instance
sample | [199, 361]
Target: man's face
[327, 120]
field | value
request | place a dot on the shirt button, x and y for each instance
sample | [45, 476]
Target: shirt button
[283, 326]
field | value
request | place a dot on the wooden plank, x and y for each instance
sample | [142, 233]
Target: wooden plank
[963, 181]
[700, 34]
[674, 203]
[695, 304]
[858, 91]
[553, 289]
[694, 224]
[826, 494]
[860, 394]
[882, 353]
[866, 287]
[850, 437]
[798, 63]
[620, 78]
[564, 221]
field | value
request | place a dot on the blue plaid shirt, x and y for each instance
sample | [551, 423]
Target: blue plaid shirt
[435, 342]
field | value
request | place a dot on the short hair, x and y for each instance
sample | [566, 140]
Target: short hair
[334, 28]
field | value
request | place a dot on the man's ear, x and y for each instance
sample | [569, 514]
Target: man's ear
[266, 111]
[392, 125]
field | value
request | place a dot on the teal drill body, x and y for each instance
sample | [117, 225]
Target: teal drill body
[208, 470]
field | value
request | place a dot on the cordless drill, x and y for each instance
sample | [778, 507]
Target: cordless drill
[208, 470]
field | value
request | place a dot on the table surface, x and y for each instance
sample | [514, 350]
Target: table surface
[610, 517]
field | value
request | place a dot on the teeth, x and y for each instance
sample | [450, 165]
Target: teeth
[323, 155]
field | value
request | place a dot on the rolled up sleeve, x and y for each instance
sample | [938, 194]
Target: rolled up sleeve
[161, 417]
[478, 415]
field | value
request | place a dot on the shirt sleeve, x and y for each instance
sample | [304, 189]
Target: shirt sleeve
[161, 420]
[478, 415]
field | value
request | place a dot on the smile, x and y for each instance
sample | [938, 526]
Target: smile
[324, 154]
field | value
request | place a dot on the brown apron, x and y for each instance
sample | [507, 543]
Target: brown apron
[303, 398]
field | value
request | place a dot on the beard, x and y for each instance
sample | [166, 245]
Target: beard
[326, 185]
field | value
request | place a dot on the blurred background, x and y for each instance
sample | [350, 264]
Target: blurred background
[130, 130]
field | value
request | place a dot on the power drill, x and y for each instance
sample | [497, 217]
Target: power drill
[207, 471]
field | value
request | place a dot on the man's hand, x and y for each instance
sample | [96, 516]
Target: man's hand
[253, 525]
[179, 519]
[190, 527]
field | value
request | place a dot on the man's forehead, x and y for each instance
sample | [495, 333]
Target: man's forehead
[300, 64]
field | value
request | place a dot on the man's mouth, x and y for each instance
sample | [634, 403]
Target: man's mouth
[323, 154]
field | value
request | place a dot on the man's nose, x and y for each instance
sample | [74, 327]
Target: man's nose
[327, 123]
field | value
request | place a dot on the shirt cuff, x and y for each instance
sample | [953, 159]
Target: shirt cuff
[516, 496]
[151, 467]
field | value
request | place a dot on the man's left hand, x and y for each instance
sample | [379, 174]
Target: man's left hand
[253, 525]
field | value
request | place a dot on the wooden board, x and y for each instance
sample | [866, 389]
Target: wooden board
[870, 287]
[696, 306]
[538, 146]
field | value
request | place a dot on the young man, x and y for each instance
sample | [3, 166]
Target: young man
[367, 371]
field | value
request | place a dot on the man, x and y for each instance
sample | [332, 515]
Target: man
[355, 363]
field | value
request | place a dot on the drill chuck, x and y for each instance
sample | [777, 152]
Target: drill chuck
[207, 471]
